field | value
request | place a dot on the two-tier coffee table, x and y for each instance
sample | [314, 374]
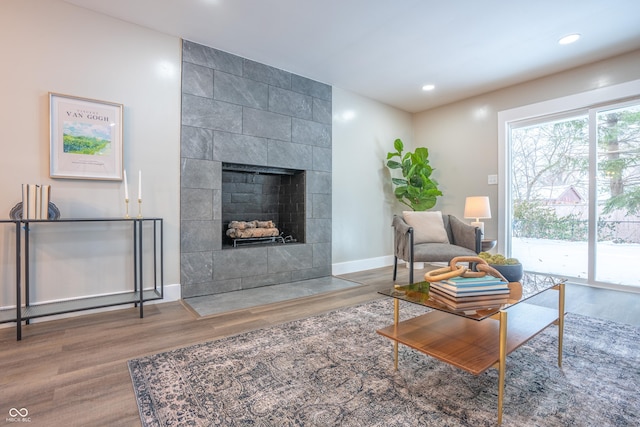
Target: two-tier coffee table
[479, 339]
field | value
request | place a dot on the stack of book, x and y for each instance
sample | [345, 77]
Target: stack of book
[471, 293]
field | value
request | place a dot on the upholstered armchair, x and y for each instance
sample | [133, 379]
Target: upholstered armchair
[432, 237]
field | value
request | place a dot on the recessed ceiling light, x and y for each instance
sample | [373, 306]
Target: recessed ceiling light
[569, 39]
[427, 88]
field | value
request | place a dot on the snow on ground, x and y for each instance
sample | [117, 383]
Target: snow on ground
[616, 263]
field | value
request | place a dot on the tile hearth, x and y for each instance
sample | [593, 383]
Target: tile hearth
[209, 305]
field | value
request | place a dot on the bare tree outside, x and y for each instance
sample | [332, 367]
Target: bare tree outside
[619, 162]
[551, 195]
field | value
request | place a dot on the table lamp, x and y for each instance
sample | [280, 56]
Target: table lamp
[477, 207]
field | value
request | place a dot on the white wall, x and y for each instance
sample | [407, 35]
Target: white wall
[52, 46]
[463, 137]
[363, 202]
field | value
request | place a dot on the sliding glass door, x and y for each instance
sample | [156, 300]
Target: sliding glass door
[617, 189]
[575, 194]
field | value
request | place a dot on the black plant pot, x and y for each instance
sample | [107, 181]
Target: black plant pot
[511, 272]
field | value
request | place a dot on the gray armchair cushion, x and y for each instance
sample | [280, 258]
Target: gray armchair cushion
[463, 234]
[439, 252]
[464, 240]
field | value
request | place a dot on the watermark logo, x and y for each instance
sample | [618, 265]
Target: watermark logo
[18, 415]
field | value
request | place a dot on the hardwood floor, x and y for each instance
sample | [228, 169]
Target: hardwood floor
[73, 372]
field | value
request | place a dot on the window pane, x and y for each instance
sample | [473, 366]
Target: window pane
[549, 192]
[618, 189]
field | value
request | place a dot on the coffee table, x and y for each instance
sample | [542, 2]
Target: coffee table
[478, 339]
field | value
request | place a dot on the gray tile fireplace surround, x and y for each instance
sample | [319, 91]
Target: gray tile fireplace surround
[235, 110]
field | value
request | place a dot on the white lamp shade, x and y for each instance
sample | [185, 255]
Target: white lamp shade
[477, 207]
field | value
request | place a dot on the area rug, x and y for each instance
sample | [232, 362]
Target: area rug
[335, 370]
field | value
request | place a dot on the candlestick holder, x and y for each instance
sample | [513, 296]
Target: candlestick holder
[126, 208]
[139, 208]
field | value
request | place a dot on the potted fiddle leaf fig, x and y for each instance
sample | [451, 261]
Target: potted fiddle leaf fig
[416, 188]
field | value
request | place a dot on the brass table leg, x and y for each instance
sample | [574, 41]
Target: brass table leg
[502, 363]
[396, 318]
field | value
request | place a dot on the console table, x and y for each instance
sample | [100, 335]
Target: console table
[137, 296]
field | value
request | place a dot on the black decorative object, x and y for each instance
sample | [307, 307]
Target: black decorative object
[52, 214]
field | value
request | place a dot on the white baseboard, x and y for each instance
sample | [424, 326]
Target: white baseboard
[362, 264]
[171, 293]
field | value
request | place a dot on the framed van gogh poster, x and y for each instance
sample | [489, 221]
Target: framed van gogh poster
[86, 138]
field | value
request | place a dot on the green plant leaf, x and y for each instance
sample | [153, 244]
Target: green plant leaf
[423, 205]
[398, 145]
[406, 167]
[416, 181]
[426, 171]
[413, 192]
[433, 193]
[422, 154]
[412, 171]
[392, 164]
[401, 191]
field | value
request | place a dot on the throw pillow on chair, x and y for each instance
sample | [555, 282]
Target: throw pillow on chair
[428, 226]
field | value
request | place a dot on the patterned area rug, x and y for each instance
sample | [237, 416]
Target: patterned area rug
[334, 370]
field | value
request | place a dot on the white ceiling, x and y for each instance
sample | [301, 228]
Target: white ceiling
[388, 49]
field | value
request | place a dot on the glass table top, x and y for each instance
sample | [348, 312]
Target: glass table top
[420, 293]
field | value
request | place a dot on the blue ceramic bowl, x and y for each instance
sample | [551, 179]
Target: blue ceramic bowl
[513, 272]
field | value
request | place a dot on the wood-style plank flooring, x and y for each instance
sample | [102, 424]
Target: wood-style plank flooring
[73, 372]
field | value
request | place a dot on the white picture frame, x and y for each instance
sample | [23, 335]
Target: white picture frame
[85, 138]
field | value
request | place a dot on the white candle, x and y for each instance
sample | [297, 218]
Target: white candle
[139, 185]
[126, 187]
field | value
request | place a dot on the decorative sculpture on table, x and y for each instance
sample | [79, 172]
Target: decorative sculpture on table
[35, 204]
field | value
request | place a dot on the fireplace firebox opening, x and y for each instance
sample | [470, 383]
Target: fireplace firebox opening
[262, 205]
